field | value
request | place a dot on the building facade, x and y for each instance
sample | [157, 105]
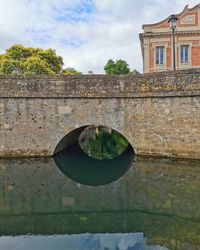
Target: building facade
[157, 42]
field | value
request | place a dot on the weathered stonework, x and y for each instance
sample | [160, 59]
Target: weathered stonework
[159, 114]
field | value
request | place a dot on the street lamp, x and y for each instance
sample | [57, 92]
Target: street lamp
[173, 24]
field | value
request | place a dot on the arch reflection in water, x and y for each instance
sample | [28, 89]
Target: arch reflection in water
[75, 164]
[80, 167]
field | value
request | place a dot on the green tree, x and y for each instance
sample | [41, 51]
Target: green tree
[9, 66]
[70, 71]
[18, 52]
[102, 143]
[54, 62]
[116, 68]
[20, 60]
[34, 65]
[106, 146]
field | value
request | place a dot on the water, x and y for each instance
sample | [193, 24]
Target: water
[131, 241]
[78, 166]
[153, 205]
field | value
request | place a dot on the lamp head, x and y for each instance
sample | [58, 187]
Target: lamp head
[173, 21]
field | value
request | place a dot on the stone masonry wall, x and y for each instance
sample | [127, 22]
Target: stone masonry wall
[158, 113]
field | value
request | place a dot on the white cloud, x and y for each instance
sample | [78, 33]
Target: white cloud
[85, 32]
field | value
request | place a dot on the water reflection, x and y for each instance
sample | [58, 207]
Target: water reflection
[159, 197]
[131, 241]
[78, 166]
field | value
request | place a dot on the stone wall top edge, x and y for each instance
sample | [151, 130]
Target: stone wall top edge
[179, 83]
[149, 95]
[68, 76]
[141, 75]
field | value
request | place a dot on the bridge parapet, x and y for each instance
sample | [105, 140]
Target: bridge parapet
[166, 84]
[158, 113]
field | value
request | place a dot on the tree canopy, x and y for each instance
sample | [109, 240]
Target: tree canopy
[102, 143]
[119, 67]
[116, 67]
[70, 71]
[22, 60]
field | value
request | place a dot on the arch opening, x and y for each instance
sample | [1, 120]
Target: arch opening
[94, 155]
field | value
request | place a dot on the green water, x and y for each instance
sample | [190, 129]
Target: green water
[153, 204]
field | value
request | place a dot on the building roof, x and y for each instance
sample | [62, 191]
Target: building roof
[186, 8]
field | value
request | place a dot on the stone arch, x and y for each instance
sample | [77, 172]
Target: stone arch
[106, 166]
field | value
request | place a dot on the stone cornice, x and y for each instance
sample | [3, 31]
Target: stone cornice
[161, 34]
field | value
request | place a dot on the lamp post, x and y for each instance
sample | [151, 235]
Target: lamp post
[173, 24]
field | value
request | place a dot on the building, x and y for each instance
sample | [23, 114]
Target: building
[157, 42]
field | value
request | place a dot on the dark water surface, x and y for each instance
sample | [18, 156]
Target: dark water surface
[150, 204]
[78, 166]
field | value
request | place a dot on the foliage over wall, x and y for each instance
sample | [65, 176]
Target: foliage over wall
[118, 67]
[20, 60]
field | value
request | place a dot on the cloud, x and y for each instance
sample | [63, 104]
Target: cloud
[85, 32]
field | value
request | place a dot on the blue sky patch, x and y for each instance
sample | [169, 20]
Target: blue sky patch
[78, 13]
[38, 36]
[71, 42]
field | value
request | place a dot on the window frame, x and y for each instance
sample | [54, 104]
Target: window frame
[184, 54]
[160, 62]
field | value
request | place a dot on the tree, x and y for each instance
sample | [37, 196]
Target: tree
[135, 72]
[102, 143]
[116, 68]
[10, 66]
[70, 71]
[20, 60]
[34, 65]
[54, 62]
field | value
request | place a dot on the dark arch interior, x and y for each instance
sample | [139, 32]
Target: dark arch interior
[78, 166]
[69, 139]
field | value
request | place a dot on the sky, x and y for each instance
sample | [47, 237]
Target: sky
[79, 242]
[86, 33]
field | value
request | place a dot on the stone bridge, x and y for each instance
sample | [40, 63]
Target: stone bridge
[158, 113]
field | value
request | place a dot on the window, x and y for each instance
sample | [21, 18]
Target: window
[159, 55]
[184, 53]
